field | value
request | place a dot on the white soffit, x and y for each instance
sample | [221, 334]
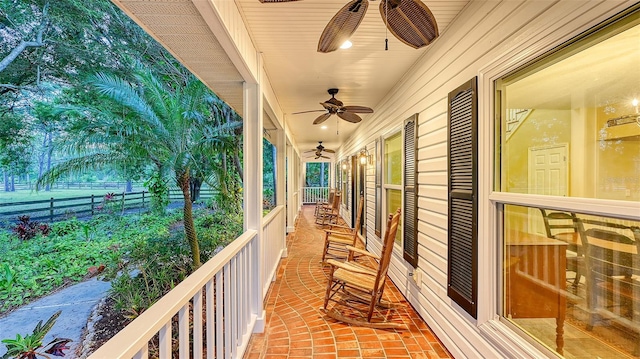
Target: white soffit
[180, 28]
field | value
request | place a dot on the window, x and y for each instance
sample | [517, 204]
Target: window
[317, 175]
[268, 176]
[345, 181]
[569, 128]
[392, 186]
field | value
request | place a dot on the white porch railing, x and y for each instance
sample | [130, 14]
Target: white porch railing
[274, 244]
[223, 284]
[313, 194]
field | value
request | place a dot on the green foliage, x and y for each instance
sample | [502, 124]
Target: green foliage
[44, 264]
[63, 228]
[27, 347]
[7, 278]
[159, 190]
[156, 266]
[216, 230]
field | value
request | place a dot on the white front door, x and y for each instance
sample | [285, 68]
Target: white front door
[548, 176]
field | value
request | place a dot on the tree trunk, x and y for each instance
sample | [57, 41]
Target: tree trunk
[195, 185]
[129, 186]
[236, 162]
[13, 183]
[41, 157]
[189, 226]
[6, 180]
[47, 188]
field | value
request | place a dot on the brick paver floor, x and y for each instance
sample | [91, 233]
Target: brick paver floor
[296, 327]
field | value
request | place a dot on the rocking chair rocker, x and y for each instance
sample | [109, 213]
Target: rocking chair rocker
[356, 284]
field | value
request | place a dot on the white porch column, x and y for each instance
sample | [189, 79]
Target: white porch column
[292, 196]
[281, 188]
[252, 131]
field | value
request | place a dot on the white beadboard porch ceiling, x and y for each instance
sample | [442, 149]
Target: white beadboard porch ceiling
[287, 36]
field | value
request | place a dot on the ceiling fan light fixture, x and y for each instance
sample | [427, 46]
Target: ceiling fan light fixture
[347, 44]
[324, 127]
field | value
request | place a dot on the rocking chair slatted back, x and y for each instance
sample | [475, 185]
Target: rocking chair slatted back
[329, 215]
[387, 248]
[337, 237]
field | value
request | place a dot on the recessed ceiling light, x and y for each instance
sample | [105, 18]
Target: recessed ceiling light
[324, 127]
[347, 44]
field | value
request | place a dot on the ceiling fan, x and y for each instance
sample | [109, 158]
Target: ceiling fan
[410, 21]
[333, 106]
[319, 149]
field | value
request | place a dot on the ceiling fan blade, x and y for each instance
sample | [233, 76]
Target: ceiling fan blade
[349, 116]
[297, 113]
[329, 151]
[410, 21]
[321, 118]
[325, 157]
[313, 150]
[343, 24]
[357, 109]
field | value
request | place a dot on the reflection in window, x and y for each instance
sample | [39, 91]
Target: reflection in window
[268, 176]
[570, 123]
[581, 276]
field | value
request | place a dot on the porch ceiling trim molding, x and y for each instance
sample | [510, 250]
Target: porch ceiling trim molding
[185, 29]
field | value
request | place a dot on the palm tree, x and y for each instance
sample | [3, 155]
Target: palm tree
[168, 126]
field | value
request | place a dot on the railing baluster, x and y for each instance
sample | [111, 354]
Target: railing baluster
[183, 331]
[211, 344]
[197, 325]
[219, 316]
[227, 311]
[242, 294]
[143, 353]
[234, 304]
[165, 341]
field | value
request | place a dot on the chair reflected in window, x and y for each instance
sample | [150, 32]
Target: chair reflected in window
[613, 278]
[565, 226]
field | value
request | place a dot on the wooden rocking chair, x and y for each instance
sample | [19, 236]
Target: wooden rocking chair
[324, 202]
[330, 215]
[337, 237]
[357, 284]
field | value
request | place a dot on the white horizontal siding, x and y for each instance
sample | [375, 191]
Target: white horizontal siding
[514, 32]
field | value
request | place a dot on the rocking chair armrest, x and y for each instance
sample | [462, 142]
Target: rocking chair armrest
[350, 268]
[340, 227]
[338, 233]
[362, 251]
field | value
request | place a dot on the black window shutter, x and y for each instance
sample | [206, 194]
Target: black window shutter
[410, 214]
[378, 191]
[462, 284]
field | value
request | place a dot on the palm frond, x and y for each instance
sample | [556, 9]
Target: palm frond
[126, 94]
